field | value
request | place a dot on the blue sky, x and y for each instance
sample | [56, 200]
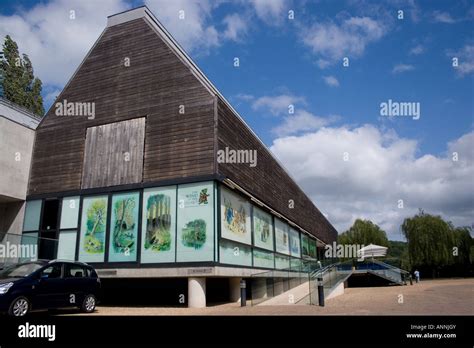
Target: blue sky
[337, 109]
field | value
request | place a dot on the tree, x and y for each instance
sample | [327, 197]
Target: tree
[430, 241]
[17, 79]
[364, 232]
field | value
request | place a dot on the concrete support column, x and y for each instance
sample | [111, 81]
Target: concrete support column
[234, 287]
[196, 292]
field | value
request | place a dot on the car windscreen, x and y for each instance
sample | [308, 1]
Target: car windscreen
[20, 270]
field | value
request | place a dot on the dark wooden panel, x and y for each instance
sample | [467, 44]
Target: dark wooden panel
[155, 84]
[268, 181]
[113, 154]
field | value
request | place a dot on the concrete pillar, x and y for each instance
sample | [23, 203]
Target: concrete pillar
[196, 292]
[234, 287]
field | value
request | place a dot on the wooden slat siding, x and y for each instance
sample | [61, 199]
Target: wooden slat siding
[154, 85]
[268, 181]
[104, 161]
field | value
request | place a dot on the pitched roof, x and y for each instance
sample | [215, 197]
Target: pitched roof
[18, 114]
[144, 12]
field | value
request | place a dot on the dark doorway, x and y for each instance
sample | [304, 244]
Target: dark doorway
[48, 241]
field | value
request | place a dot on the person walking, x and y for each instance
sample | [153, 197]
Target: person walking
[417, 275]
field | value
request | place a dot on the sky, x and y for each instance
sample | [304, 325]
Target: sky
[311, 79]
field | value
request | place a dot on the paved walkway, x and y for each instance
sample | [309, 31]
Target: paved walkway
[430, 297]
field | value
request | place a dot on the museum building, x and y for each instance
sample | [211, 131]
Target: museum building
[125, 173]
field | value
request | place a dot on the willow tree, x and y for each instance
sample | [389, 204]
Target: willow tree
[430, 241]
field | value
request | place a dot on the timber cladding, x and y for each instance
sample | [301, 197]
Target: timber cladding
[268, 181]
[155, 84]
[113, 154]
[184, 124]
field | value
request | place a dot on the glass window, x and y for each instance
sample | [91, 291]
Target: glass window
[281, 237]
[235, 254]
[67, 245]
[69, 212]
[124, 227]
[52, 272]
[159, 225]
[263, 259]
[29, 243]
[235, 217]
[195, 225]
[32, 215]
[295, 264]
[93, 228]
[262, 229]
[74, 271]
[282, 262]
[295, 243]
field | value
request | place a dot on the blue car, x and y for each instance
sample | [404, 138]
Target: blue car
[48, 285]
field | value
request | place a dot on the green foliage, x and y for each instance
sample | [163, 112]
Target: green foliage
[430, 240]
[364, 232]
[194, 234]
[17, 79]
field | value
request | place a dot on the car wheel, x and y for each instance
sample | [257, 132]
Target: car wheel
[88, 305]
[19, 307]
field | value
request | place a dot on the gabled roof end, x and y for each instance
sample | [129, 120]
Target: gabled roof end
[127, 16]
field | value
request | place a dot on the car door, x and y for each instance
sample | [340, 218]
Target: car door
[76, 279]
[50, 290]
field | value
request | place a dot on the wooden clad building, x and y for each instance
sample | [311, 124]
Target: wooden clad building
[139, 114]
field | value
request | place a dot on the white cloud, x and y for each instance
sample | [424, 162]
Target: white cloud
[277, 105]
[55, 43]
[401, 68]
[331, 41]
[236, 27]
[443, 17]
[331, 81]
[417, 50]
[270, 11]
[381, 169]
[465, 58]
[302, 122]
[194, 32]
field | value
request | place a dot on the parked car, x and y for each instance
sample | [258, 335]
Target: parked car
[48, 285]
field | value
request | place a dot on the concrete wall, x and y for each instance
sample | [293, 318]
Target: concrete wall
[16, 144]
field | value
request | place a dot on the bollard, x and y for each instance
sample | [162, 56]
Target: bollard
[321, 292]
[243, 293]
[411, 280]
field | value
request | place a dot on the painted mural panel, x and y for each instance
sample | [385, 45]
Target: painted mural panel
[304, 246]
[93, 228]
[195, 226]
[282, 237]
[295, 243]
[124, 227]
[263, 259]
[263, 229]
[235, 215]
[312, 248]
[159, 225]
